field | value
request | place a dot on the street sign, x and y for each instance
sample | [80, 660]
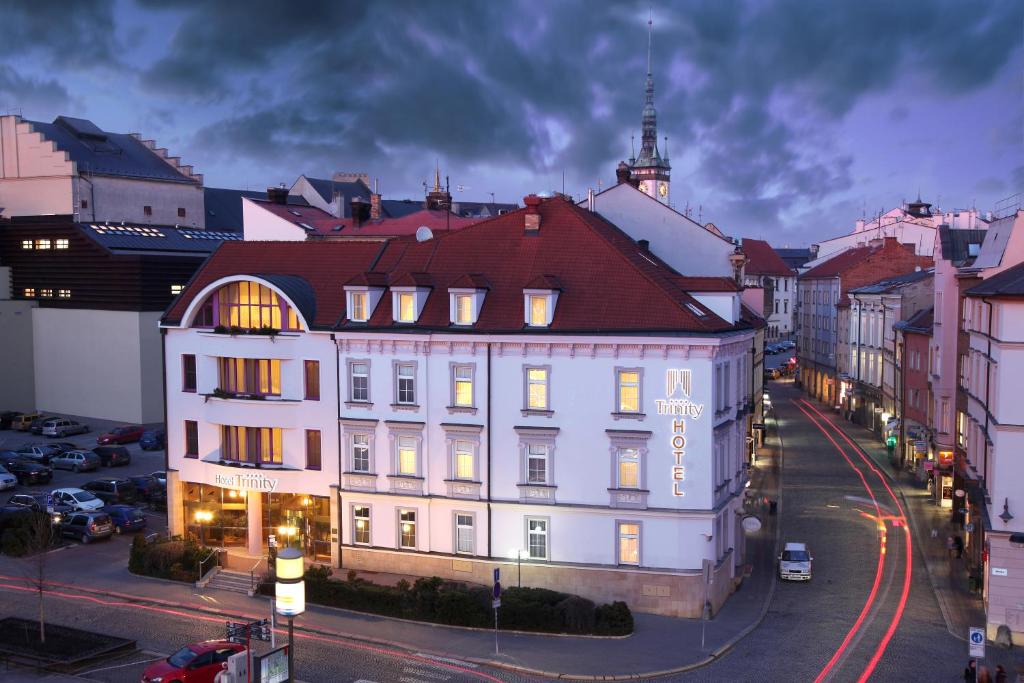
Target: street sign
[272, 541]
[496, 594]
[496, 603]
[976, 642]
[238, 632]
[999, 571]
[497, 574]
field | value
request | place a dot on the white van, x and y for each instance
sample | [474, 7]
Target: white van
[795, 562]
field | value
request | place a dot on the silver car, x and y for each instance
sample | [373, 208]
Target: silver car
[76, 461]
[62, 426]
[7, 480]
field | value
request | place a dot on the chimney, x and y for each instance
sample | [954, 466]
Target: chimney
[860, 225]
[277, 195]
[375, 210]
[622, 173]
[532, 219]
[360, 211]
[645, 245]
[590, 199]
[337, 207]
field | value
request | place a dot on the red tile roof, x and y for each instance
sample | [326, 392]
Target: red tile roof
[706, 284]
[325, 225]
[608, 283]
[762, 259]
[838, 263]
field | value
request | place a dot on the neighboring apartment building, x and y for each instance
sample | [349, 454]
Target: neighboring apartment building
[874, 310]
[991, 369]
[914, 398]
[765, 269]
[821, 289]
[72, 168]
[435, 407]
[81, 313]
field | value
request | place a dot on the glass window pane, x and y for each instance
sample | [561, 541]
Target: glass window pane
[538, 310]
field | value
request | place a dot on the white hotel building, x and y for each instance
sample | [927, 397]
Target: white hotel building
[536, 387]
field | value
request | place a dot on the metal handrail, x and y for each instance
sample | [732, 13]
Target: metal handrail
[203, 561]
[252, 575]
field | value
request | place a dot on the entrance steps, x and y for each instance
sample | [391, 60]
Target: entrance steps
[226, 580]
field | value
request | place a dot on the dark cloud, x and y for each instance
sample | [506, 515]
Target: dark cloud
[67, 34]
[21, 93]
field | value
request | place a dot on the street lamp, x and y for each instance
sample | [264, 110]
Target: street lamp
[201, 517]
[290, 595]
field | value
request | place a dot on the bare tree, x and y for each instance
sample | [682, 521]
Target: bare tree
[39, 537]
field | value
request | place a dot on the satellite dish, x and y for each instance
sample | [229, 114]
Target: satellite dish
[751, 524]
[423, 234]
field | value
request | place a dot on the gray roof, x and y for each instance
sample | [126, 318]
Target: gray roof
[397, 208]
[154, 238]
[297, 289]
[892, 283]
[794, 258]
[103, 153]
[1007, 283]
[955, 244]
[224, 207]
[326, 188]
[481, 209]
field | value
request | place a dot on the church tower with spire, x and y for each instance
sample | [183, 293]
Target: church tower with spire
[650, 169]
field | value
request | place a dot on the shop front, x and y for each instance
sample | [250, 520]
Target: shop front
[298, 520]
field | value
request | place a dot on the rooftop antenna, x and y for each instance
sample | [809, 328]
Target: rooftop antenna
[448, 209]
[700, 214]
[632, 148]
[666, 148]
[650, 36]
[563, 181]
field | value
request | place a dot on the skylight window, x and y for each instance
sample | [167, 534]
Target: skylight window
[693, 308]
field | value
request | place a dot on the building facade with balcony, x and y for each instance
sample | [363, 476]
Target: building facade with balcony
[536, 392]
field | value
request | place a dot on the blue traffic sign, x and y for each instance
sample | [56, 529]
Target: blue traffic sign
[497, 590]
[497, 574]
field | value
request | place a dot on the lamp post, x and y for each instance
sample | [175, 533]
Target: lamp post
[201, 517]
[290, 596]
[519, 566]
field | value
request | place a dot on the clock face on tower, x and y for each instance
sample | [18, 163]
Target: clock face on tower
[663, 189]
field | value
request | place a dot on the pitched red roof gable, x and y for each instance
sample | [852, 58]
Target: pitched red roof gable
[762, 259]
[706, 283]
[324, 224]
[838, 263]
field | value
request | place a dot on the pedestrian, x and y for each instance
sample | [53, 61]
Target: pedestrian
[959, 547]
[949, 546]
[971, 672]
[983, 675]
[1001, 676]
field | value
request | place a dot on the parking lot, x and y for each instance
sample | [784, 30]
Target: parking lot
[142, 462]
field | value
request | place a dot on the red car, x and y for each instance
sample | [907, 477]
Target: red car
[125, 434]
[195, 663]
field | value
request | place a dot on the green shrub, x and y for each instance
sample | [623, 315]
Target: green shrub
[318, 572]
[175, 559]
[576, 614]
[614, 619]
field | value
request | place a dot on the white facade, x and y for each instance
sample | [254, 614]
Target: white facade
[684, 244]
[260, 224]
[436, 460]
[818, 335]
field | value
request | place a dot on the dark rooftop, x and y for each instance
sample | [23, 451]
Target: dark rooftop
[1009, 283]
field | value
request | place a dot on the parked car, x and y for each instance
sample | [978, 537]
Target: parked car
[25, 470]
[23, 421]
[64, 446]
[62, 426]
[111, 491]
[36, 426]
[40, 452]
[122, 435]
[195, 663]
[126, 518]
[87, 526]
[40, 502]
[76, 461]
[7, 480]
[153, 440]
[7, 418]
[160, 476]
[77, 499]
[111, 456]
[146, 487]
[795, 562]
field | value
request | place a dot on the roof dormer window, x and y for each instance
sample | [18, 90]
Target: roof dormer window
[538, 310]
[407, 303]
[464, 309]
[465, 305]
[362, 294]
[406, 307]
[539, 306]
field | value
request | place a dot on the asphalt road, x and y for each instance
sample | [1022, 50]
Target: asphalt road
[827, 505]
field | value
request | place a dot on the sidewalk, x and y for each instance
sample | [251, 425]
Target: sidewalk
[658, 644]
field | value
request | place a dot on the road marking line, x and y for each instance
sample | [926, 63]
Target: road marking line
[450, 660]
[426, 674]
[117, 666]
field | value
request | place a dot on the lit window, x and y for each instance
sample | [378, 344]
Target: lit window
[63, 293]
[250, 376]
[30, 292]
[46, 293]
[26, 244]
[537, 538]
[43, 244]
[538, 310]
[629, 391]
[463, 460]
[360, 453]
[406, 307]
[177, 289]
[359, 382]
[629, 543]
[463, 385]
[361, 517]
[464, 534]
[358, 312]
[251, 305]
[407, 529]
[251, 444]
[406, 384]
[537, 388]
[407, 455]
[537, 464]
[464, 309]
[61, 243]
[629, 468]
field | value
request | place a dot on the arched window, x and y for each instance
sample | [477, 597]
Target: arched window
[248, 305]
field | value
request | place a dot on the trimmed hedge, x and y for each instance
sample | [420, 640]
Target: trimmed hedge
[458, 604]
[175, 558]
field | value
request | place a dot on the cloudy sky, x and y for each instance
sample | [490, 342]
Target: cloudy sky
[786, 120]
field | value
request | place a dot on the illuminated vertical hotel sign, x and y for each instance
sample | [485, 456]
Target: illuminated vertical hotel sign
[678, 404]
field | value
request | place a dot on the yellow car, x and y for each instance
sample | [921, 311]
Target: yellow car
[23, 422]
